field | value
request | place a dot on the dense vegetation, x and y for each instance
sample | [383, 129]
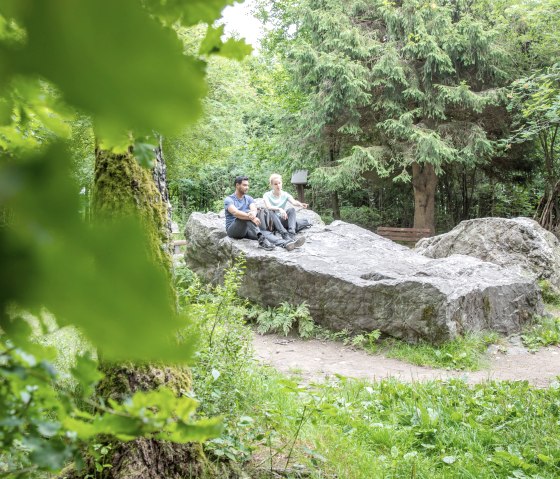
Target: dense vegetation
[404, 113]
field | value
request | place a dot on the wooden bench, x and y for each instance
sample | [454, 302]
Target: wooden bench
[177, 246]
[403, 235]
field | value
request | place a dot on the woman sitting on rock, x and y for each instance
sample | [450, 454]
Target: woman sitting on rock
[283, 217]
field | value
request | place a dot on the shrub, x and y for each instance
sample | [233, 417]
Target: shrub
[363, 216]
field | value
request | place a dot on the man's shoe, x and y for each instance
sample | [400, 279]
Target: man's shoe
[265, 244]
[289, 245]
[299, 241]
[286, 236]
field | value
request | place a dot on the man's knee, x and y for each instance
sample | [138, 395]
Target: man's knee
[237, 230]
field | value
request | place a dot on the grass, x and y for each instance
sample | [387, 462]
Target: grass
[277, 427]
[353, 429]
[543, 331]
[464, 353]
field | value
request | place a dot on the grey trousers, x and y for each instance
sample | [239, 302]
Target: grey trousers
[240, 229]
[243, 229]
[287, 225]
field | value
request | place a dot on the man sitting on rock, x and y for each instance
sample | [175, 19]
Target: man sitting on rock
[242, 221]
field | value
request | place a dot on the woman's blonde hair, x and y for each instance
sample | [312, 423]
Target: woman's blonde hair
[273, 177]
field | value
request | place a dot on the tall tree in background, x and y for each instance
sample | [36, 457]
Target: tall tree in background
[398, 88]
[535, 103]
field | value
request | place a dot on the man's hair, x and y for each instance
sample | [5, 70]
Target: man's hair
[240, 179]
[273, 177]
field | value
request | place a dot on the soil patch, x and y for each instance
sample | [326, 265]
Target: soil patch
[316, 360]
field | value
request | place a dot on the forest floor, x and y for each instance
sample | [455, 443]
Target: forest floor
[316, 360]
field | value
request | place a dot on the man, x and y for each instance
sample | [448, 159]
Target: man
[242, 221]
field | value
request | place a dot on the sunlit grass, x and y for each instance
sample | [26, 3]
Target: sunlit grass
[464, 353]
[438, 429]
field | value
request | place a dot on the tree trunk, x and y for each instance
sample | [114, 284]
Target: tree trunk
[334, 198]
[335, 206]
[122, 187]
[424, 182]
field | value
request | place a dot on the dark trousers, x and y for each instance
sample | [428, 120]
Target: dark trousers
[240, 229]
[287, 225]
[243, 229]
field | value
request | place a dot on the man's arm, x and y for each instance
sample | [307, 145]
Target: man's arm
[250, 216]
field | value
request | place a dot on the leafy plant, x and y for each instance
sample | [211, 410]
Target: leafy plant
[545, 331]
[284, 318]
[99, 453]
[364, 340]
[549, 294]
[224, 357]
[43, 427]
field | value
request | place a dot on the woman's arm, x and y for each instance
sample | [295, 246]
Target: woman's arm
[267, 203]
[295, 202]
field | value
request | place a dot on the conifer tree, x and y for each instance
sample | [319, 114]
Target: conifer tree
[400, 88]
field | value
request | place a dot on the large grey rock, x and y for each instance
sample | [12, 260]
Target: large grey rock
[518, 243]
[354, 279]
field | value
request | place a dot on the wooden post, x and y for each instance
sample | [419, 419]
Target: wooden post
[299, 180]
[301, 193]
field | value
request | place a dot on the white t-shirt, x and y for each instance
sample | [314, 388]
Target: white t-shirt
[277, 201]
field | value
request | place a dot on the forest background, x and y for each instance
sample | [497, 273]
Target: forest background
[455, 118]
[403, 113]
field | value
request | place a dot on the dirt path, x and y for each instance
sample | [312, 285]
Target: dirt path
[316, 360]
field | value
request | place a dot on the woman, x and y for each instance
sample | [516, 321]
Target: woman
[284, 216]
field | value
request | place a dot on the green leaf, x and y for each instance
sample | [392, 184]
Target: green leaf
[48, 429]
[98, 278]
[87, 374]
[235, 49]
[83, 430]
[144, 154]
[200, 431]
[114, 62]
[213, 44]
[49, 454]
[212, 41]
[188, 12]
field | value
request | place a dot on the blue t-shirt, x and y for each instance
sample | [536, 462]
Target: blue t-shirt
[241, 204]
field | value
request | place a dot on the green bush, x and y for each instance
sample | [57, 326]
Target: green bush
[363, 216]
[549, 294]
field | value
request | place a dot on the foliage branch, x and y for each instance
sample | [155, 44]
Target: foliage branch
[122, 65]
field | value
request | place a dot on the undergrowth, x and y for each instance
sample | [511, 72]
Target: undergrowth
[550, 295]
[543, 331]
[283, 319]
[464, 353]
[276, 427]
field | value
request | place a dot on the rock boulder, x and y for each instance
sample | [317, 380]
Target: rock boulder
[354, 279]
[518, 243]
